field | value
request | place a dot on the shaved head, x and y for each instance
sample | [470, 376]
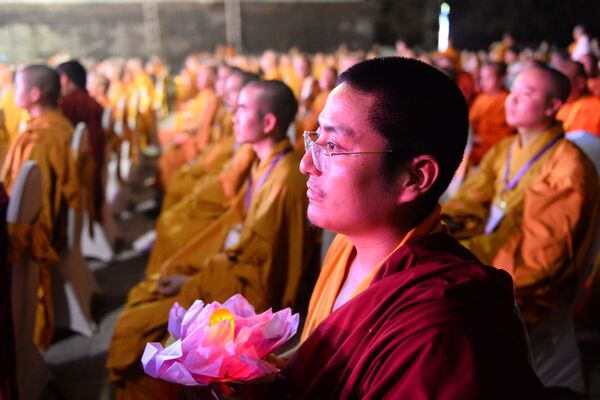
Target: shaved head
[45, 79]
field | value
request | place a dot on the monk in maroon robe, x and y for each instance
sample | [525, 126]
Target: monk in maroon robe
[401, 310]
[79, 106]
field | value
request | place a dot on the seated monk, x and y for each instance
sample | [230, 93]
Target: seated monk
[486, 115]
[47, 140]
[581, 112]
[309, 120]
[401, 310]
[212, 159]
[258, 248]
[531, 207]
[79, 106]
[198, 126]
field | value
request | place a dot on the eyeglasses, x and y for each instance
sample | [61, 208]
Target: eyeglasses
[320, 154]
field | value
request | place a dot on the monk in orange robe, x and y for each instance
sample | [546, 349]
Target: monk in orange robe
[198, 133]
[47, 140]
[212, 159]
[309, 121]
[401, 310]
[486, 115]
[258, 248]
[531, 209]
[581, 112]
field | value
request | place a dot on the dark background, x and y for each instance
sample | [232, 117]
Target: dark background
[30, 32]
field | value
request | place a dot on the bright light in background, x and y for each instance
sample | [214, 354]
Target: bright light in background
[444, 30]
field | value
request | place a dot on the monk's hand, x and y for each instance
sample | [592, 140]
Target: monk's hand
[170, 285]
[260, 388]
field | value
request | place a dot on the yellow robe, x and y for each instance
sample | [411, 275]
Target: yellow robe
[488, 122]
[47, 140]
[546, 230]
[12, 116]
[211, 160]
[210, 197]
[266, 266]
[175, 157]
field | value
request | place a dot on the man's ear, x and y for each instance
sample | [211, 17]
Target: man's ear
[419, 175]
[35, 95]
[554, 104]
[269, 123]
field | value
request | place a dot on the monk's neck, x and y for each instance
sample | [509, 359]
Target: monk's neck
[39, 109]
[264, 148]
[530, 134]
[374, 246]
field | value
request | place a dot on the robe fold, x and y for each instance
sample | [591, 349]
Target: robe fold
[208, 199]
[488, 123]
[47, 140]
[211, 160]
[550, 215]
[266, 265]
[175, 156]
[435, 323]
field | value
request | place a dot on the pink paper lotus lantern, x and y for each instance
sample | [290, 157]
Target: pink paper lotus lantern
[219, 342]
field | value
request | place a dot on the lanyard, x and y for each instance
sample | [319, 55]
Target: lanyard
[513, 182]
[262, 179]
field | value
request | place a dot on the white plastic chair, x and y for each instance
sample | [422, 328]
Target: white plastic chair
[25, 204]
[74, 285]
[589, 144]
[554, 342]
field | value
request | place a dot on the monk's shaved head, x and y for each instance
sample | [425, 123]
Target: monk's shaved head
[557, 83]
[45, 79]
[278, 99]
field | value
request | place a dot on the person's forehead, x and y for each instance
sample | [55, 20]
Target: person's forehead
[346, 111]
[532, 78]
[249, 94]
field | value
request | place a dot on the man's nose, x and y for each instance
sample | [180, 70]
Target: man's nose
[307, 164]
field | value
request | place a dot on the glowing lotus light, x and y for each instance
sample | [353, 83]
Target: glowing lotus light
[215, 342]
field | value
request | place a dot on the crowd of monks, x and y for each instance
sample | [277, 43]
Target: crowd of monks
[230, 129]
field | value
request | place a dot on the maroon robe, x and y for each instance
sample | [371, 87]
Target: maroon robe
[8, 378]
[80, 107]
[435, 323]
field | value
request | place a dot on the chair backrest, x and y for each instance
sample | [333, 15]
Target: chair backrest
[79, 140]
[120, 115]
[106, 118]
[26, 198]
[589, 144]
[132, 110]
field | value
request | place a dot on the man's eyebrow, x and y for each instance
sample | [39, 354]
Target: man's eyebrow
[339, 129]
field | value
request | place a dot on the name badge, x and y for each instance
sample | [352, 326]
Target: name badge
[233, 237]
[497, 213]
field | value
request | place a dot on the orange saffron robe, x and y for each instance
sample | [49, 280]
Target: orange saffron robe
[176, 156]
[582, 114]
[488, 123]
